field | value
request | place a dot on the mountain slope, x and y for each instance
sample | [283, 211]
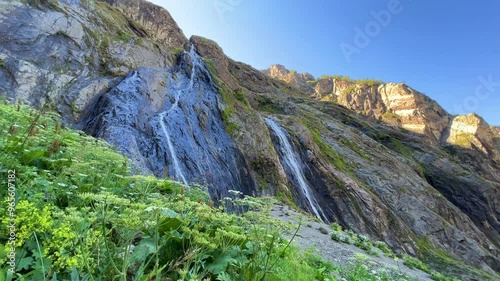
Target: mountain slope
[115, 71]
[398, 105]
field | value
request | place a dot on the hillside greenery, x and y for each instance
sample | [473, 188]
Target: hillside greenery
[81, 215]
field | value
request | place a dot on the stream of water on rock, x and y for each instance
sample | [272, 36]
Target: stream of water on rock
[195, 61]
[292, 160]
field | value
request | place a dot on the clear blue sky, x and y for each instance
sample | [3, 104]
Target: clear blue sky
[440, 48]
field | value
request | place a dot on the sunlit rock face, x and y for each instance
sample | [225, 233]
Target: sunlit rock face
[299, 80]
[471, 131]
[401, 106]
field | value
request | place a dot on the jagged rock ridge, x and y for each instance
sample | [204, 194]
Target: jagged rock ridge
[398, 105]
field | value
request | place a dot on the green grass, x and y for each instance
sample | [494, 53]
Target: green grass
[441, 263]
[337, 77]
[369, 82]
[327, 151]
[123, 36]
[392, 143]
[361, 269]
[240, 96]
[177, 51]
[464, 139]
[268, 104]
[415, 263]
[349, 90]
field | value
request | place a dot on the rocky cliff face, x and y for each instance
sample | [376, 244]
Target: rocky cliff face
[153, 21]
[471, 131]
[398, 105]
[123, 71]
[300, 80]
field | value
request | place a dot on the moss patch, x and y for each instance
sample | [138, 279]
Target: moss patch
[354, 147]
[229, 99]
[443, 262]
[391, 115]
[267, 104]
[464, 139]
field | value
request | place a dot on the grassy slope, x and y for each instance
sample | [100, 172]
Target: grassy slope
[78, 210]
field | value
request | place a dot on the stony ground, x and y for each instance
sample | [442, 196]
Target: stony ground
[313, 234]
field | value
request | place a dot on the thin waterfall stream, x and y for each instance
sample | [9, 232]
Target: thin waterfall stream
[292, 160]
[195, 63]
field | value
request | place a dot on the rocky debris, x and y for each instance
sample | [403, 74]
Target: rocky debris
[311, 234]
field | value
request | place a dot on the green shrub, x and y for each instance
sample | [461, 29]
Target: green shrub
[391, 115]
[415, 263]
[363, 242]
[440, 277]
[384, 248]
[335, 227]
[240, 96]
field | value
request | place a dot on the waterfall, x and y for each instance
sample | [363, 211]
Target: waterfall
[291, 159]
[175, 160]
[171, 120]
[195, 62]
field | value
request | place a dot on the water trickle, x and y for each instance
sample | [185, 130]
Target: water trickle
[195, 63]
[291, 159]
[178, 171]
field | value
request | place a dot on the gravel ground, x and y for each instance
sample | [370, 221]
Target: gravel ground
[317, 235]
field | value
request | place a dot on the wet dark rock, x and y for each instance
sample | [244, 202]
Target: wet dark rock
[129, 117]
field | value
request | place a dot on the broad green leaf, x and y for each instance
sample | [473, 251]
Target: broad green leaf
[31, 156]
[24, 263]
[74, 275]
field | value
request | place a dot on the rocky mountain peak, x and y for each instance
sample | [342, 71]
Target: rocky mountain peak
[300, 80]
[210, 50]
[472, 131]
